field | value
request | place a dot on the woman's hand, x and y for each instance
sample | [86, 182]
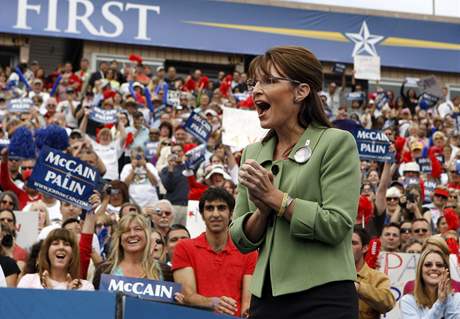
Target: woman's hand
[45, 280]
[443, 286]
[259, 183]
[179, 297]
[73, 283]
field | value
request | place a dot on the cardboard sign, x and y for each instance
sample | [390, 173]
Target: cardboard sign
[339, 68]
[431, 85]
[102, 116]
[373, 145]
[195, 157]
[139, 287]
[241, 127]
[173, 98]
[64, 177]
[401, 268]
[412, 81]
[367, 67]
[194, 221]
[199, 127]
[20, 105]
[425, 165]
[27, 223]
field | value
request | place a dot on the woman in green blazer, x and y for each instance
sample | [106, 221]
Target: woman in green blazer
[297, 195]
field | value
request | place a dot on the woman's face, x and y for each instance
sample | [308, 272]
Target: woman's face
[432, 269]
[41, 216]
[439, 141]
[274, 101]
[443, 226]
[165, 131]
[60, 254]
[116, 197]
[157, 245]
[373, 177]
[133, 239]
[7, 203]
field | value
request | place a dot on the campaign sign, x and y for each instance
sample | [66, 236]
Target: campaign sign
[20, 105]
[198, 127]
[355, 96]
[103, 116]
[373, 145]
[440, 158]
[381, 99]
[64, 177]
[4, 142]
[150, 149]
[457, 166]
[139, 287]
[431, 85]
[195, 157]
[456, 117]
[173, 98]
[430, 186]
[425, 165]
[339, 68]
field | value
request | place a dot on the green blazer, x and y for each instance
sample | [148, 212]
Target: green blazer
[315, 247]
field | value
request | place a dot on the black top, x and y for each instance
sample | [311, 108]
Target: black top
[9, 266]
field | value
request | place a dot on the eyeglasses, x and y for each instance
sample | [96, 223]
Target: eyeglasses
[430, 264]
[27, 167]
[406, 230]
[102, 225]
[7, 202]
[412, 252]
[421, 230]
[6, 220]
[389, 199]
[159, 242]
[160, 212]
[251, 83]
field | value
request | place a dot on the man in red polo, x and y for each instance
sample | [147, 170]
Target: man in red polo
[212, 271]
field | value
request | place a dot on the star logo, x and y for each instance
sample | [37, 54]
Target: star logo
[364, 41]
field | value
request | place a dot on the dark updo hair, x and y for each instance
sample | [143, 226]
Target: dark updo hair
[299, 64]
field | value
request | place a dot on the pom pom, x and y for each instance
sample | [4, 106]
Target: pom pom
[40, 137]
[22, 144]
[373, 252]
[365, 210]
[57, 137]
[135, 58]
[452, 219]
[109, 94]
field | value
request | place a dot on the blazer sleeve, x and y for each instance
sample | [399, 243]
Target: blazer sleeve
[240, 214]
[331, 220]
[377, 294]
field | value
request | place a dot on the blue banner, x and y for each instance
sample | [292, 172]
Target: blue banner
[138, 287]
[20, 105]
[209, 24]
[64, 177]
[355, 96]
[195, 157]
[150, 149]
[425, 165]
[373, 145]
[199, 127]
[102, 116]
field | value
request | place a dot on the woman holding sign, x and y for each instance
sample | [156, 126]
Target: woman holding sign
[58, 264]
[298, 195]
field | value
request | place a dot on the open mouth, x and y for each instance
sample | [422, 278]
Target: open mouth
[262, 107]
[60, 255]
[133, 241]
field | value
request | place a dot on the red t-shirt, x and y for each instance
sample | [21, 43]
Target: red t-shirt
[216, 274]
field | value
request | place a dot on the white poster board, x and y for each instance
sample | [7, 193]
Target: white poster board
[241, 127]
[194, 222]
[401, 268]
[27, 225]
[367, 67]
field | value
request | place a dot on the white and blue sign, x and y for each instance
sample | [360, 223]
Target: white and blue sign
[20, 105]
[425, 165]
[102, 116]
[430, 186]
[355, 96]
[339, 68]
[4, 142]
[199, 127]
[150, 149]
[64, 177]
[139, 287]
[195, 157]
[373, 145]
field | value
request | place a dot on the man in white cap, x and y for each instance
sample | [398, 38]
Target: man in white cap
[216, 176]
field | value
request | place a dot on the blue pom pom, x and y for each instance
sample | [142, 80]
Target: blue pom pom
[22, 144]
[40, 137]
[56, 137]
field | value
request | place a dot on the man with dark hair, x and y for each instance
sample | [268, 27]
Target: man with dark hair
[211, 270]
[421, 229]
[373, 287]
[391, 237]
[176, 233]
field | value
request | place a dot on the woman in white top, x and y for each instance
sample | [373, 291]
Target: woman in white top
[432, 297]
[58, 264]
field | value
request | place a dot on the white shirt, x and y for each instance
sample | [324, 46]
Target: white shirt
[450, 309]
[2, 278]
[65, 108]
[109, 155]
[33, 281]
[141, 190]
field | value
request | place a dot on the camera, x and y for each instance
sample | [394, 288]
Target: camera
[138, 157]
[411, 198]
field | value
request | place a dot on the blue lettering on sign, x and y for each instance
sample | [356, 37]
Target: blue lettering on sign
[20, 105]
[145, 288]
[373, 145]
[64, 177]
[103, 116]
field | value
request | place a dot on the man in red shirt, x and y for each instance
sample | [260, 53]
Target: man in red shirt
[212, 271]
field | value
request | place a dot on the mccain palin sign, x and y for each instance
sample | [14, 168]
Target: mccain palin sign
[64, 177]
[373, 145]
[143, 288]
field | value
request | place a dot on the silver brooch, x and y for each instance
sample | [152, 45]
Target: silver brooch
[303, 154]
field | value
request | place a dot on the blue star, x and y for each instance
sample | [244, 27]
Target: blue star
[364, 41]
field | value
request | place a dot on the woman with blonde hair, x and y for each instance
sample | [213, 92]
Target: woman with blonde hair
[43, 215]
[130, 254]
[432, 297]
[58, 264]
